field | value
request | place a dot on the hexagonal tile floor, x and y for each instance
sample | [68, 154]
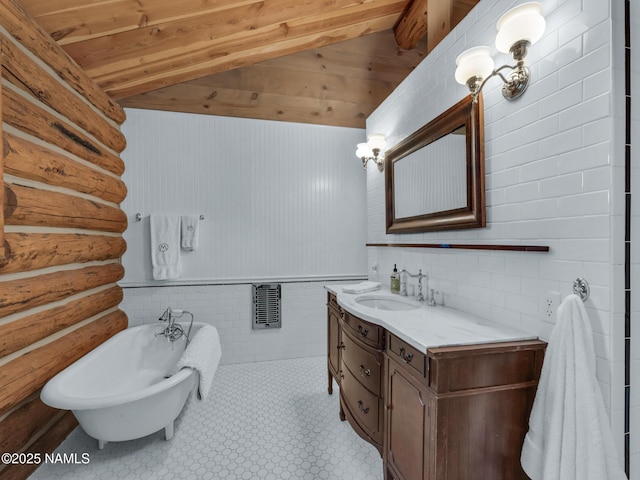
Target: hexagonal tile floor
[269, 420]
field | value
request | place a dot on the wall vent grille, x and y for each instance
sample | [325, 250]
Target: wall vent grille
[267, 311]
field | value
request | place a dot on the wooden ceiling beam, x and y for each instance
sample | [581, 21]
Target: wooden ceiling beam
[147, 43]
[72, 21]
[431, 18]
[412, 25]
[171, 57]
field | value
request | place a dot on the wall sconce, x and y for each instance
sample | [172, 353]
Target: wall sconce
[518, 29]
[372, 150]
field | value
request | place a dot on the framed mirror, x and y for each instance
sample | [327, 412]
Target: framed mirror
[434, 178]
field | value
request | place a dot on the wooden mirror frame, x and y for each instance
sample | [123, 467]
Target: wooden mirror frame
[465, 113]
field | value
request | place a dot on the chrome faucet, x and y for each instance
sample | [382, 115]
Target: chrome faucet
[174, 330]
[419, 276]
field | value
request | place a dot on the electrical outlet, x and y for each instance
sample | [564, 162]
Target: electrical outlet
[549, 303]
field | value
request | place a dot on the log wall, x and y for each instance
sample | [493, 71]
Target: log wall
[60, 228]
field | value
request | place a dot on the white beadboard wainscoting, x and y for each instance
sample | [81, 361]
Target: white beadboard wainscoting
[280, 200]
[554, 176]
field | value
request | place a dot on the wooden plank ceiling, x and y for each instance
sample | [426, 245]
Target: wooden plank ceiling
[327, 62]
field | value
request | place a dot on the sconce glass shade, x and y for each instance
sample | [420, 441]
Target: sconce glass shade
[377, 140]
[372, 150]
[475, 62]
[524, 22]
[363, 151]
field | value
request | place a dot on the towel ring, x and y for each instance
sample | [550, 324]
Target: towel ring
[581, 288]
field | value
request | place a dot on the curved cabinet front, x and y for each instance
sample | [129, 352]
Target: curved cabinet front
[364, 363]
[363, 409]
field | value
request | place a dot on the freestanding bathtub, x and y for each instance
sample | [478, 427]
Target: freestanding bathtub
[126, 388]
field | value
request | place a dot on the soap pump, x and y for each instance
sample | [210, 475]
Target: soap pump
[395, 280]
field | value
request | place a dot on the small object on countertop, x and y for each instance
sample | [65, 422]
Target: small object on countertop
[362, 287]
[395, 280]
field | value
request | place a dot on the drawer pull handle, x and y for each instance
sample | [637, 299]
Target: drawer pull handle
[405, 358]
[365, 372]
[363, 331]
[364, 410]
[341, 346]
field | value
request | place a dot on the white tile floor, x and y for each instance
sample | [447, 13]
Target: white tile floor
[269, 420]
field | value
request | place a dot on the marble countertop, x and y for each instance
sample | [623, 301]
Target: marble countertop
[429, 327]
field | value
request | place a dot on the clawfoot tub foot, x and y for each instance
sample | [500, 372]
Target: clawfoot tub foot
[101, 444]
[168, 431]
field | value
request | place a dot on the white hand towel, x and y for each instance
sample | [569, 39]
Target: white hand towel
[203, 355]
[190, 231]
[165, 246]
[569, 435]
[362, 287]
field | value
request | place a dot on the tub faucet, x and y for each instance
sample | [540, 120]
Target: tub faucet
[174, 330]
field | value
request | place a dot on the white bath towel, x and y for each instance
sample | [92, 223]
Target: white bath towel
[362, 287]
[203, 355]
[165, 246]
[190, 231]
[569, 435]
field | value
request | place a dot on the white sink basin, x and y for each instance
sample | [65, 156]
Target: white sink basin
[385, 302]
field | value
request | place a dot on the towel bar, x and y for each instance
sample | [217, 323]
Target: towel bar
[138, 217]
[581, 288]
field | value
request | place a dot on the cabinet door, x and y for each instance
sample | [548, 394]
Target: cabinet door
[408, 426]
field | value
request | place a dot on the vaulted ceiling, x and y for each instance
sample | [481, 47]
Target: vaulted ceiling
[314, 61]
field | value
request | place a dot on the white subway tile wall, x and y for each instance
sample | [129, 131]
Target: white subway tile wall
[554, 176]
[228, 308]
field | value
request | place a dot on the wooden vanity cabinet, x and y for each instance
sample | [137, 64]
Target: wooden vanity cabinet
[450, 413]
[459, 413]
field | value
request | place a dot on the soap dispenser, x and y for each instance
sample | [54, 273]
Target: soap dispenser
[395, 280]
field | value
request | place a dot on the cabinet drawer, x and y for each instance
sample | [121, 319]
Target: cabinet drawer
[369, 333]
[364, 406]
[364, 363]
[402, 352]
